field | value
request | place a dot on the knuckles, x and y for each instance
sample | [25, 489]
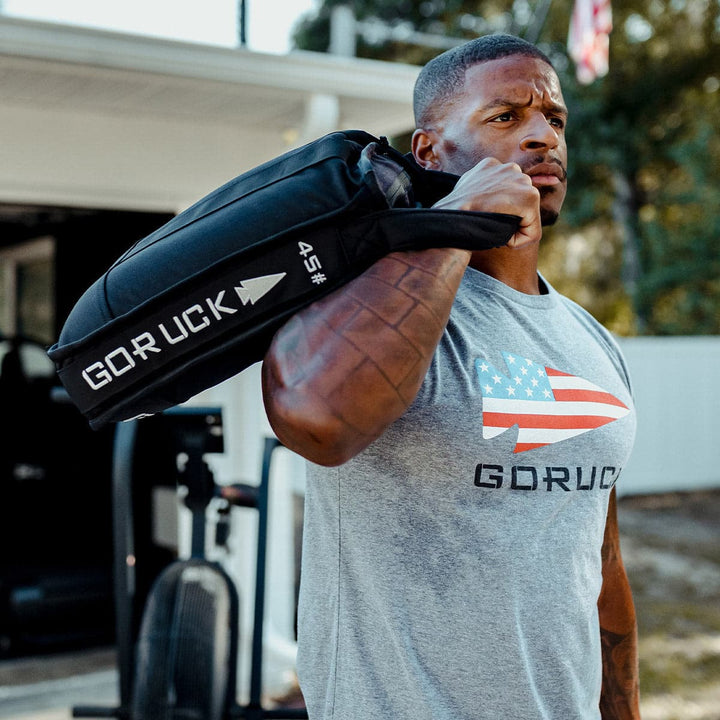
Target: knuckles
[494, 186]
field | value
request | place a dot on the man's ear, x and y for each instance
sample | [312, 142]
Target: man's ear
[423, 149]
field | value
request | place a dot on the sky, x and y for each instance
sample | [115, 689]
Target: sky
[269, 22]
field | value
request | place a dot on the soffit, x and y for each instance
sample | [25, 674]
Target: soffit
[92, 71]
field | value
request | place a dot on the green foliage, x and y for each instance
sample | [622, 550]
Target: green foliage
[639, 240]
[645, 138]
[452, 18]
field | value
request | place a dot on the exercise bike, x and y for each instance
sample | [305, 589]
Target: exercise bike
[177, 652]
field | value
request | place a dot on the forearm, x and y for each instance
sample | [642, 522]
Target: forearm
[340, 371]
[620, 697]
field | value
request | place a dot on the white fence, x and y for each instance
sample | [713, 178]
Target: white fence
[676, 382]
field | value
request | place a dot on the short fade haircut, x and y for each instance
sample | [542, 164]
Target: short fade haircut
[444, 75]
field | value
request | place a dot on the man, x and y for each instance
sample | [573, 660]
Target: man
[466, 425]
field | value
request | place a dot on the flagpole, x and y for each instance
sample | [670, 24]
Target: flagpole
[532, 33]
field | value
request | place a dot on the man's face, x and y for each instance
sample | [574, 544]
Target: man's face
[511, 109]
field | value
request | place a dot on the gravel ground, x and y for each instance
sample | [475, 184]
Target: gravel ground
[671, 548]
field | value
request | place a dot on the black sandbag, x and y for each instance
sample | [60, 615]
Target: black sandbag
[200, 299]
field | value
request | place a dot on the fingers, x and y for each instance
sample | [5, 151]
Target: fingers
[530, 230]
[492, 186]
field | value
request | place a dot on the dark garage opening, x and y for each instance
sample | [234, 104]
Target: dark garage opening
[55, 472]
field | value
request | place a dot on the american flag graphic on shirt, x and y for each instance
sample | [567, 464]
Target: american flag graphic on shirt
[546, 405]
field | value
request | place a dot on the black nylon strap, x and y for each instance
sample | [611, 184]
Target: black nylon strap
[419, 228]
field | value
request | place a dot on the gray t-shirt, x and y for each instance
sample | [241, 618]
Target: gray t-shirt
[451, 570]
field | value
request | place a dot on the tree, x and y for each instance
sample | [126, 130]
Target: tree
[645, 137]
[638, 240]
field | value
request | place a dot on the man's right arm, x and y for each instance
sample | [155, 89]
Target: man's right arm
[341, 370]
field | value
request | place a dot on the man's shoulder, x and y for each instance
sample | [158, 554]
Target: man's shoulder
[599, 331]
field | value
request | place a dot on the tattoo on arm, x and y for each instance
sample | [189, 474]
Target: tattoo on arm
[618, 700]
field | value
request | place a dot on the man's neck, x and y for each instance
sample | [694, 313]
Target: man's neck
[516, 267]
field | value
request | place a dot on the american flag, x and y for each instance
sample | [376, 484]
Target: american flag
[589, 38]
[546, 405]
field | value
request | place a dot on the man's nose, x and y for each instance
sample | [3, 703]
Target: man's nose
[540, 134]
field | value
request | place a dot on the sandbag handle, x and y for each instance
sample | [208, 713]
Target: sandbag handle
[422, 228]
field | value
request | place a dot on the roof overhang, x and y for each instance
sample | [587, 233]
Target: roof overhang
[58, 83]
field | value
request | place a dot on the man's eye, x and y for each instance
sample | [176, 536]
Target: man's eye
[557, 122]
[505, 117]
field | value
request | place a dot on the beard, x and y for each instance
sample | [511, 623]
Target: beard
[548, 217]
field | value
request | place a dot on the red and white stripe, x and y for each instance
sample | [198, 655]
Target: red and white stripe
[577, 407]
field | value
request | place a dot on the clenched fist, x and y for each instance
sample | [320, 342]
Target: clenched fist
[492, 186]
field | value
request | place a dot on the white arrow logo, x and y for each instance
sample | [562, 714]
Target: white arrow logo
[251, 290]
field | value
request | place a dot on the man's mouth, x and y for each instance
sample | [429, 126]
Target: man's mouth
[545, 180]
[546, 175]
